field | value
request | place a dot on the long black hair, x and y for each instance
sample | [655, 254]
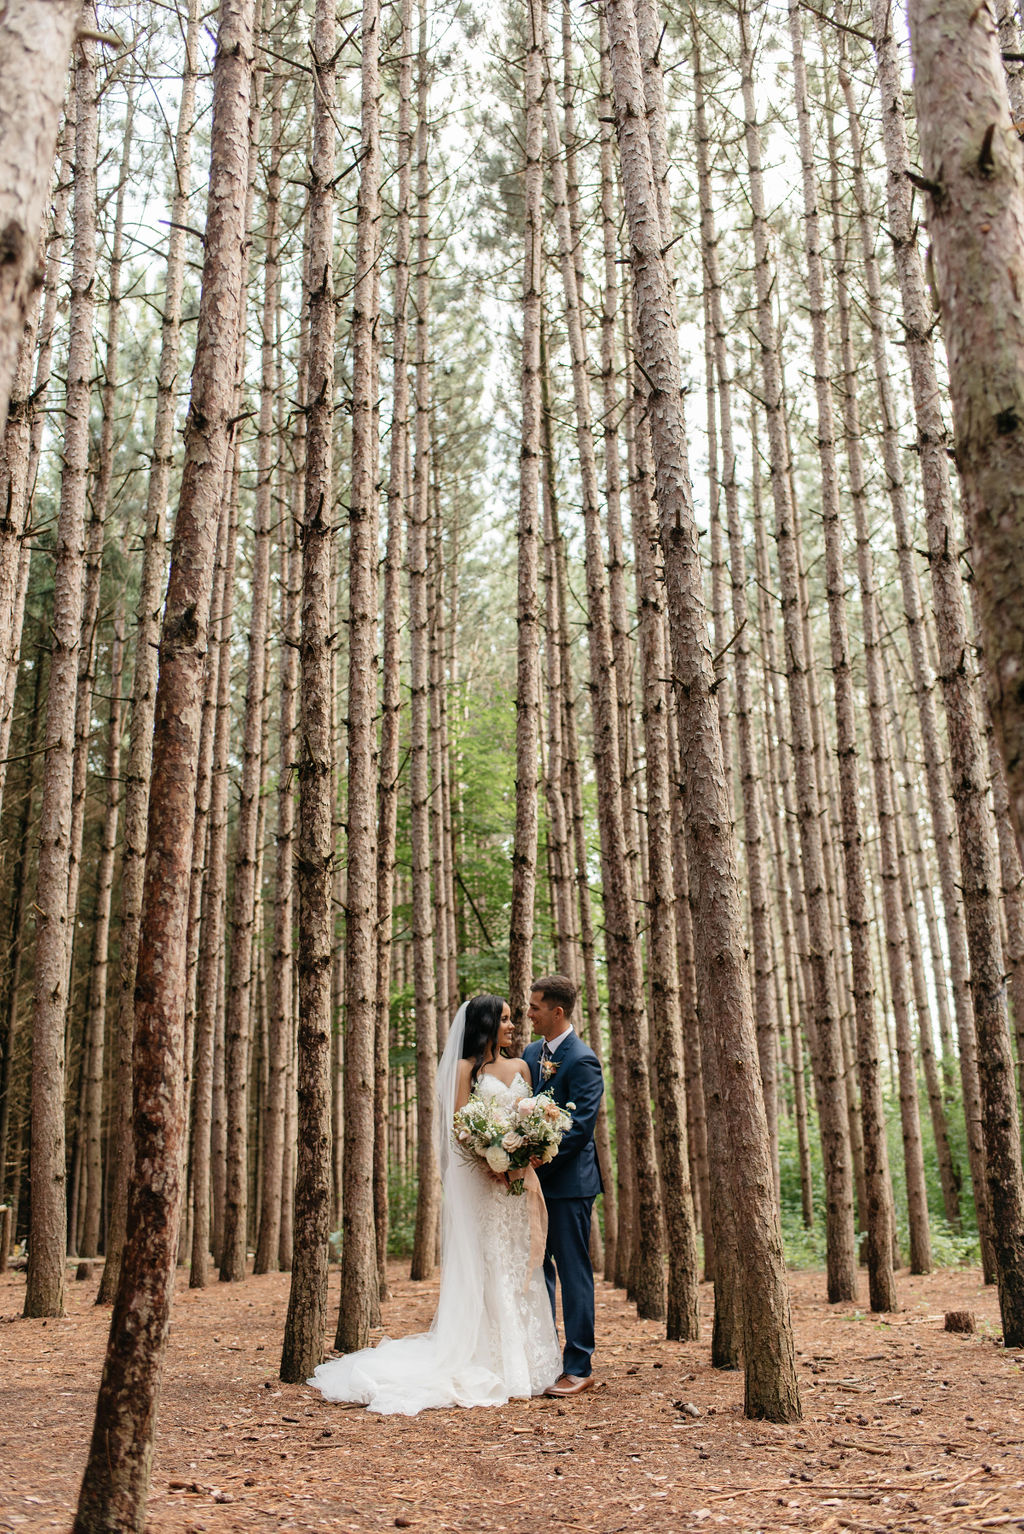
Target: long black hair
[483, 1018]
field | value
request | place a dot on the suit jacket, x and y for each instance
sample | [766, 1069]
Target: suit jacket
[574, 1173]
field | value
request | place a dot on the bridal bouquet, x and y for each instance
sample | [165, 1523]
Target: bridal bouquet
[509, 1136]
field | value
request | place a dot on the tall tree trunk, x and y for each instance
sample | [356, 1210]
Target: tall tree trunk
[787, 862]
[280, 1016]
[44, 1295]
[823, 1012]
[963, 887]
[626, 994]
[682, 1319]
[359, 1302]
[885, 809]
[727, 1025]
[89, 1240]
[24, 412]
[306, 1320]
[757, 881]
[116, 1481]
[878, 1203]
[390, 729]
[36, 38]
[17, 875]
[969, 154]
[144, 680]
[245, 891]
[210, 973]
[574, 797]
[524, 849]
[428, 1191]
[567, 955]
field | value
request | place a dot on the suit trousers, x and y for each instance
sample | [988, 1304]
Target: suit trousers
[568, 1254]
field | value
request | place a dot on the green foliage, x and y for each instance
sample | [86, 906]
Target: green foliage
[402, 1216]
[950, 1248]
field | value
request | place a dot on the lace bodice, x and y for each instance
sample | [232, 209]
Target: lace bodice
[492, 1086]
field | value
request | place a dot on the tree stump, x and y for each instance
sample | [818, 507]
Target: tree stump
[84, 1270]
[960, 1321]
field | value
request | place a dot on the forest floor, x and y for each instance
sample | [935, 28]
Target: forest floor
[906, 1427]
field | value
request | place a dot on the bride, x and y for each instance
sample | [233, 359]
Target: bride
[493, 1333]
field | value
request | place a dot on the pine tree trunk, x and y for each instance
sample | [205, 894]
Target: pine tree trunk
[139, 754]
[89, 1241]
[574, 796]
[428, 1191]
[788, 873]
[390, 729]
[889, 862]
[306, 1320]
[524, 849]
[24, 412]
[957, 689]
[280, 1016]
[567, 955]
[116, 1481]
[949, 1175]
[36, 38]
[823, 1012]
[44, 1294]
[359, 1301]
[17, 875]
[245, 892]
[210, 973]
[757, 880]
[727, 1023]
[984, 455]
[878, 1205]
[682, 1319]
[625, 978]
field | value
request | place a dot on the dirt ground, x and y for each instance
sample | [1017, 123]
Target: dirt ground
[906, 1427]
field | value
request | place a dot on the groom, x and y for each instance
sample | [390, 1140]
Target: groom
[563, 1066]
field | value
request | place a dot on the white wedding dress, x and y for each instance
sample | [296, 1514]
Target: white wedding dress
[493, 1336]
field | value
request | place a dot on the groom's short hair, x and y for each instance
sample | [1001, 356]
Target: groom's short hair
[558, 990]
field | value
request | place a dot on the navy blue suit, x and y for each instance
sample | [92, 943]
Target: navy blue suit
[570, 1184]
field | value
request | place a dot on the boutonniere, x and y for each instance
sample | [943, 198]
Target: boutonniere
[548, 1068]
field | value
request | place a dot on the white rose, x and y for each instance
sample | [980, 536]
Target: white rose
[497, 1159]
[548, 1154]
[525, 1106]
[513, 1141]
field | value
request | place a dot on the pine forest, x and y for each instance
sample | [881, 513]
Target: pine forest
[490, 492]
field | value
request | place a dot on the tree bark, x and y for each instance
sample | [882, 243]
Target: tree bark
[970, 127]
[89, 1227]
[878, 1209]
[390, 728]
[306, 1320]
[626, 994]
[144, 680]
[757, 881]
[44, 1294]
[960, 891]
[359, 1301]
[823, 1017]
[116, 1480]
[428, 1190]
[728, 1025]
[245, 889]
[524, 848]
[36, 37]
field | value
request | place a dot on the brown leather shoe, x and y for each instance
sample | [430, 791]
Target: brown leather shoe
[570, 1385]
